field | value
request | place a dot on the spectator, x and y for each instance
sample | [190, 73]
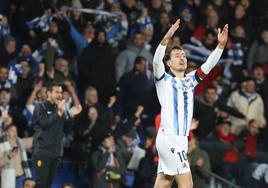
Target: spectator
[92, 99]
[205, 112]
[62, 71]
[59, 33]
[155, 7]
[126, 144]
[96, 67]
[4, 28]
[145, 175]
[212, 22]
[4, 82]
[258, 52]
[144, 21]
[226, 157]
[24, 83]
[108, 165]
[260, 176]
[134, 88]
[116, 27]
[38, 95]
[125, 60]
[221, 7]
[240, 18]
[261, 85]
[199, 163]
[8, 52]
[161, 26]
[120, 127]
[262, 89]
[81, 39]
[28, 183]
[13, 158]
[209, 41]
[26, 54]
[77, 17]
[237, 53]
[250, 150]
[67, 185]
[248, 102]
[261, 81]
[131, 9]
[87, 135]
[251, 153]
[7, 107]
[187, 14]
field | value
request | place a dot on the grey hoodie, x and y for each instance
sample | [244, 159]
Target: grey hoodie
[125, 60]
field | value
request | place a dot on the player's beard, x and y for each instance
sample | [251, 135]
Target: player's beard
[180, 69]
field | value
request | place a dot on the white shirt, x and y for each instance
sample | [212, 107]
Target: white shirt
[176, 95]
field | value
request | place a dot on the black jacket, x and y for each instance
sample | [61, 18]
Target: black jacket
[48, 130]
[134, 90]
[96, 68]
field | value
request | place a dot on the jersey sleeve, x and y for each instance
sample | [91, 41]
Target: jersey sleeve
[158, 65]
[211, 62]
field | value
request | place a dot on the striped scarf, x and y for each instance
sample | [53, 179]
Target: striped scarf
[14, 72]
[41, 22]
[39, 54]
[8, 172]
[198, 52]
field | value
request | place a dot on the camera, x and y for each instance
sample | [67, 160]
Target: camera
[112, 176]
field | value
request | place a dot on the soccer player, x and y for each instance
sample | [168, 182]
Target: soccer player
[175, 91]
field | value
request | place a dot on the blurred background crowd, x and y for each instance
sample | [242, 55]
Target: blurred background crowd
[102, 51]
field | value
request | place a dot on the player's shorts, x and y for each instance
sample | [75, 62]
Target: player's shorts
[172, 152]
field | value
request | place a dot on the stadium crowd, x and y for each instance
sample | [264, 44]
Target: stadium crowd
[101, 51]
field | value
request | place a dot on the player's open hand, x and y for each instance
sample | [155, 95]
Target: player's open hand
[170, 32]
[223, 36]
[174, 28]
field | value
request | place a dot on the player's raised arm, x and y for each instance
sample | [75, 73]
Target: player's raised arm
[159, 68]
[216, 54]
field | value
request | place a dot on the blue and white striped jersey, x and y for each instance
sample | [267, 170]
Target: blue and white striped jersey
[176, 95]
[176, 98]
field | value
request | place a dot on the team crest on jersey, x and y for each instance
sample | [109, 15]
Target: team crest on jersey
[187, 80]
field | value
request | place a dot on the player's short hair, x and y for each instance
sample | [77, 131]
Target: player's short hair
[167, 55]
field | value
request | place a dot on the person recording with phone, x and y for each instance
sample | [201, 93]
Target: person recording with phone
[13, 158]
[50, 117]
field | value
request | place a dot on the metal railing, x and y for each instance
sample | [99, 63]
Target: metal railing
[216, 181]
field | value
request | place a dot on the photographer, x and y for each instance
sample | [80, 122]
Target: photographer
[107, 162]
